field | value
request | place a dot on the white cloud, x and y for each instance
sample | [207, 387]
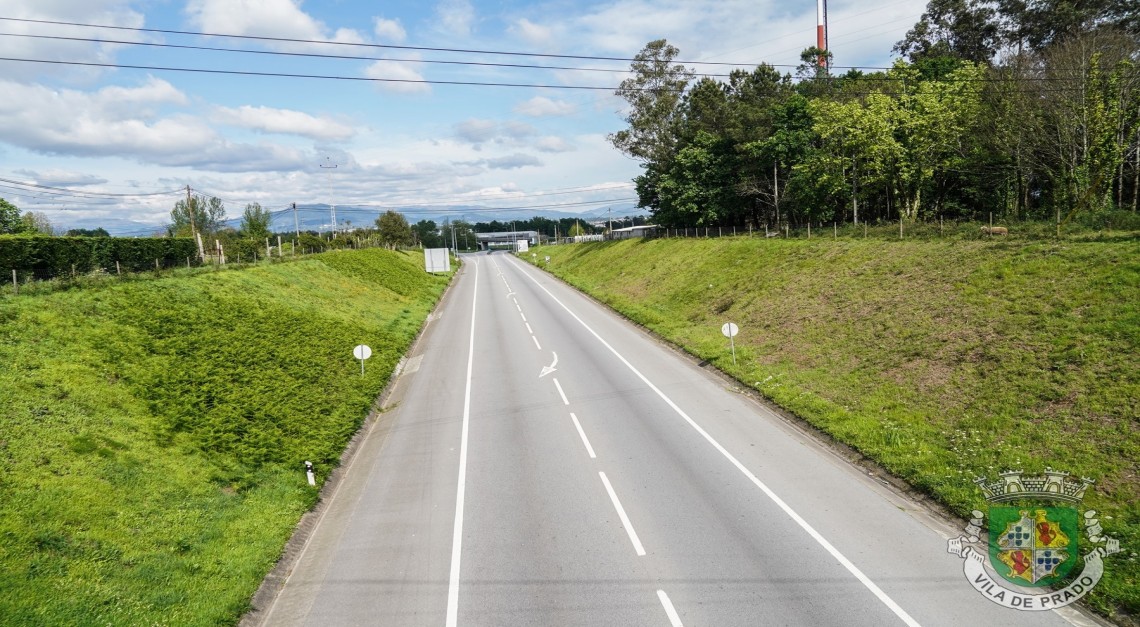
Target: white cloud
[511, 162]
[531, 33]
[126, 122]
[109, 12]
[540, 106]
[477, 132]
[456, 17]
[263, 18]
[284, 121]
[397, 76]
[61, 178]
[389, 31]
[553, 144]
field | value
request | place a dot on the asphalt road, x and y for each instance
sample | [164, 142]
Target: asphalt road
[547, 463]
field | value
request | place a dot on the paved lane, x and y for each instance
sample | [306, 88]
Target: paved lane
[607, 481]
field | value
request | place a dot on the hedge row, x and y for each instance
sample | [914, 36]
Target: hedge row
[55, 256]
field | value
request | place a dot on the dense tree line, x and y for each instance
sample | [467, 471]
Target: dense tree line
[1022, 109]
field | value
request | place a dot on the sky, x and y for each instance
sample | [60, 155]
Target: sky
[127, 141]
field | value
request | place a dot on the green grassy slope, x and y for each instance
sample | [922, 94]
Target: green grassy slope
[941, 360]
[152, 433]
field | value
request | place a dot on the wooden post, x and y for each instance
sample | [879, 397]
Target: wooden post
[809, 229]
[118, 270]
[939, 226]
[835, 228]
[156, 268]
[280, 251]
[900, 227]
[15, 283]
[864, 229]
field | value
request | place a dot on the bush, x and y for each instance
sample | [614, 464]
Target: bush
[56, 256]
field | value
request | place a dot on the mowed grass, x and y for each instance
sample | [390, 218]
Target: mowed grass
[942, 361]
[152, 433]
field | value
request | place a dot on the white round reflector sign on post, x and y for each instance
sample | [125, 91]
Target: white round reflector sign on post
[362, 352]
[729, 329]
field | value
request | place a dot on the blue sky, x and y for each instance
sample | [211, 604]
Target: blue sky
[262, 139]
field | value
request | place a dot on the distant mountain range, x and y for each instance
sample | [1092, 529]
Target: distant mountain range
[319, 217]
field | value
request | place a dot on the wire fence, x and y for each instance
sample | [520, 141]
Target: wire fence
[1123, 224]
[43, 280]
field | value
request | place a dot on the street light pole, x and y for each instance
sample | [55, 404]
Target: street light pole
[332, 207]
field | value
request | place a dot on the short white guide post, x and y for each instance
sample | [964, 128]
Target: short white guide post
[362, 352]
[730, 330]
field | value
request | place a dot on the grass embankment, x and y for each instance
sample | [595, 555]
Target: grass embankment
[152, 433]
[942, 361]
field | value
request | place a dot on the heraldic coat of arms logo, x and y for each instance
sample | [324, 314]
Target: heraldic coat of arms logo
[1034, 541]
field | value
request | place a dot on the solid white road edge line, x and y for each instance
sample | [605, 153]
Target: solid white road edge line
[621, 514]
[565, 401]
[842, 559]
[457, 533]
[670, 611]
[578, 425]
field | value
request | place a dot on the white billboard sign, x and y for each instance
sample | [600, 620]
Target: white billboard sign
[437, 260]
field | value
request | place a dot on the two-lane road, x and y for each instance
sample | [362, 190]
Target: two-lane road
[549, 464]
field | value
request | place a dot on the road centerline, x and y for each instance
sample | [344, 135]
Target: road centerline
[670, 611]
[621, 514]
[565, 401]
[586, 441]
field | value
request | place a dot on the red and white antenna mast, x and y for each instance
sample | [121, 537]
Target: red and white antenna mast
[821, 30]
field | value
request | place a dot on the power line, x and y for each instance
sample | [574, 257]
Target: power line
[344, 43]
[86, 192]
[314, 55]
[156, 68]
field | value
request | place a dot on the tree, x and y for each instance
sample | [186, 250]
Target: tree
[255, 222]
[99, 232]
[394, 229]
[208, 216]
[963, 29]
[427, 233]
[653, 93]
[37, 222]
[10, 218]
[697, 190]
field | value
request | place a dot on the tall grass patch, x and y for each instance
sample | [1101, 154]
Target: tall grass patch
[152, 433]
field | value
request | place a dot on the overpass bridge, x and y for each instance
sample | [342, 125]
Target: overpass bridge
[505, 239]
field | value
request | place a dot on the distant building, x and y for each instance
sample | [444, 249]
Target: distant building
[647, 230]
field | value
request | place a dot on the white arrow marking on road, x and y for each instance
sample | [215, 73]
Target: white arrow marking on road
[549, 369]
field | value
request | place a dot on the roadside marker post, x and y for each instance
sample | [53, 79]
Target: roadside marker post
[730, 330]
[361, 352]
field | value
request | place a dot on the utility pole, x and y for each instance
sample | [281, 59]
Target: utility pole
[332, 207]
[296, 223]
